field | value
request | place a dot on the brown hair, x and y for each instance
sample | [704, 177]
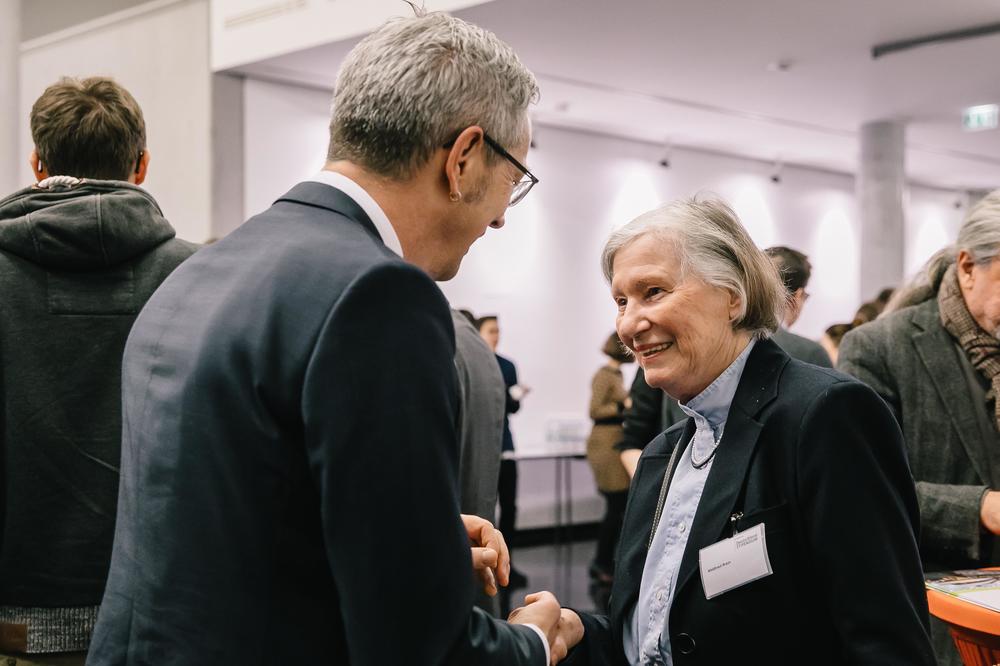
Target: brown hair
[614, 349]
[88, 128]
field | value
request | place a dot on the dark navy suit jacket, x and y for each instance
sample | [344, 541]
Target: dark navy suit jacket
[817, 458]
[289, 460]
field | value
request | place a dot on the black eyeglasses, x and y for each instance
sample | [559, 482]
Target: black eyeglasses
[521, 187]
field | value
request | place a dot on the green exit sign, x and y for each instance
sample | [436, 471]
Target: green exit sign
[982, 117]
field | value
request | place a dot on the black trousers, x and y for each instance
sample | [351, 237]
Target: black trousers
[507, 495]
[610, 530]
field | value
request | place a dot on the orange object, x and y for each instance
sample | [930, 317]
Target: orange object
[975, 630]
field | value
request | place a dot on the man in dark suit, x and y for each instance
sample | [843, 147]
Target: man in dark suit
[795, 271]
[935, 360]
[289, 464]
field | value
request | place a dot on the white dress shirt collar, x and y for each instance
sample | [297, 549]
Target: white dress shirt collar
[367, 203]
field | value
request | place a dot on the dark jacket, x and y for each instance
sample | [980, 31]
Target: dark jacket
[802, 348]
[76, 266]
[817, 458]
[509, 372]
[289, 460]
[915, 365]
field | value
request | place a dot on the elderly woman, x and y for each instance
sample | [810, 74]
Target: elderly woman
[777, 524]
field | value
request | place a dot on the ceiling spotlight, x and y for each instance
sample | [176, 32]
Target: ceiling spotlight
[781, 65]
[776, 172]
[666, 155]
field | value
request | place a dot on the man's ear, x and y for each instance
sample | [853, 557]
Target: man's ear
[37, 168]
[461, 159]
[964, 264]
[141, 167]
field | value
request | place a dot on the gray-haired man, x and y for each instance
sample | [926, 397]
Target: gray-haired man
[289, 488]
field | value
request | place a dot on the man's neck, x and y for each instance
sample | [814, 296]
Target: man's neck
[399, 200]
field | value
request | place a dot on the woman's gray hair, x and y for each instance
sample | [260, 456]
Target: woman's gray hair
[714, 247]
[979, 235]
[414, 84]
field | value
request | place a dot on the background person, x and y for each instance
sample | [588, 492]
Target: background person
[290, 453]
[795, 271]
[935, 360]
[801, 453]
[482, 402]
[489, 329]
[608, 401]
[80, 252]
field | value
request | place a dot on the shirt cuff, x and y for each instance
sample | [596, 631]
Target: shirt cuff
[545, 642]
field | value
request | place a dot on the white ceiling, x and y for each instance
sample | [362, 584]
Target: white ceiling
[695, 73]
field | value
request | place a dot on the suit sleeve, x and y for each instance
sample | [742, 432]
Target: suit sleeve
[859, 514]
[597, 647]
[379, 408]
[950, 513]
[642, 419]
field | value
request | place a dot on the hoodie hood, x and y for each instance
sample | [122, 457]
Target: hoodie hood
[75, 224]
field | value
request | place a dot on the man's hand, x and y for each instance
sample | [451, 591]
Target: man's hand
[569, 632]
[989, 511]
[490, 557]
[542, 610]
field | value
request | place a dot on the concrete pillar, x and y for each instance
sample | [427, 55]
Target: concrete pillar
[11, 161]
[880, 186]
[227, 154]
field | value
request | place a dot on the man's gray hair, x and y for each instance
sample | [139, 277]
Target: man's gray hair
[414, 84]
[979, 235]
[714, 247]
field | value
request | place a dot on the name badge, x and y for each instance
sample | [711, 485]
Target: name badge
[732, 562]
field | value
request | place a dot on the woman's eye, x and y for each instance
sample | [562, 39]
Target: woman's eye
[621, 303]
[653, 291]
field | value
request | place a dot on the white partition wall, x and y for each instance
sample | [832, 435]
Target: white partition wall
[160, 53]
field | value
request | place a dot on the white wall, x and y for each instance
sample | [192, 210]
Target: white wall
[541, 274]
[161, 56]
[285, 139]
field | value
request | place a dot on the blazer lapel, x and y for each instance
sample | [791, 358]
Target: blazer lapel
[936, 350]
[757, 388]
[642, 503]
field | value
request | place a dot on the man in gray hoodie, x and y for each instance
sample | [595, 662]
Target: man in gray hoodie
[80, 253]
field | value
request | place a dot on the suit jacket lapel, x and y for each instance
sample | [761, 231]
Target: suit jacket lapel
[758, 387]
[936, 348]
[321, 195]
[642, 503]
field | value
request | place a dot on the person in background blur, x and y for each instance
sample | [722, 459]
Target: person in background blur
[831, 339]
[867, 312]
[481, 409]
[80, 252]
[489, 329]
[795, 271]
[608, 401]
[934, 358]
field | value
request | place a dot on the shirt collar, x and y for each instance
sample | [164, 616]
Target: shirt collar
[367, 203]
[711, 407]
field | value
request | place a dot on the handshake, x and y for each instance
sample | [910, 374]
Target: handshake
[491, 563]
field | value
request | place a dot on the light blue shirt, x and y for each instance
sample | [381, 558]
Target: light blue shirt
[646, 635]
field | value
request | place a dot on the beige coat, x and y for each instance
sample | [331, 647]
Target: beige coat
[607, 400]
